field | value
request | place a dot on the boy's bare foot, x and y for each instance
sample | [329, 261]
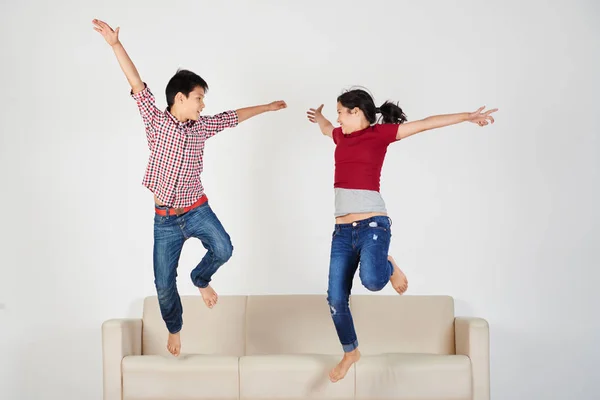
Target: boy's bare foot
[398, 279]
[174, 344]
[340, 370]
[209, 296]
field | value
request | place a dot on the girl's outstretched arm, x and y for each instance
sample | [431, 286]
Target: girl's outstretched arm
[315, 116]
[438, 121]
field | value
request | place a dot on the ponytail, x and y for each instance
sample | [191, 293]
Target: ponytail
[391, 113]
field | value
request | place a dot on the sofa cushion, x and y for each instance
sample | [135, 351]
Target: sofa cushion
[290, 324]
[414, 377]
[219, 330]
[292, 377]
[404, 324]
[181, 378]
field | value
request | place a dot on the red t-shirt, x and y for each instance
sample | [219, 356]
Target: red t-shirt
[359, 156]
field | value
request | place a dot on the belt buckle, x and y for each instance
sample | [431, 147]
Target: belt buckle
[179, 211]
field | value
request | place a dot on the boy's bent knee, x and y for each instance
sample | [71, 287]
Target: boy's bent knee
[223, 251]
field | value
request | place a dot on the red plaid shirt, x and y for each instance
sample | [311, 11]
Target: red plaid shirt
[176, 150]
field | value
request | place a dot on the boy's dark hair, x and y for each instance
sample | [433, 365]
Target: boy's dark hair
[391, 113]
[183, 81]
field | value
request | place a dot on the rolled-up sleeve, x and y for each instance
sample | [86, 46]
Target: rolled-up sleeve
[211, 125]
[151, 115]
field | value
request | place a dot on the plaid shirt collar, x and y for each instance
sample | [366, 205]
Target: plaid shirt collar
[177, 122]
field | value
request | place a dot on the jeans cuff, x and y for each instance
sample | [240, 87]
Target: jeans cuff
[202, 285]
[350, 347]
[173, 331]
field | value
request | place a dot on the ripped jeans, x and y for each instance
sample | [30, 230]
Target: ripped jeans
[365, 242]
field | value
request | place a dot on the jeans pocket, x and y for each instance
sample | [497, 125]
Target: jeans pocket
[160, 220]
[379, 226]
[335, 233]
[382, 227]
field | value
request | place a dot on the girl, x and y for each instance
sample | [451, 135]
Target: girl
[362, 230]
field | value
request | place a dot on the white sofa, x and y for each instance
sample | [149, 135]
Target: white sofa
[283, 346]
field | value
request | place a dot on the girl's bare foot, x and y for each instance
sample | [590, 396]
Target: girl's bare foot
[174, 344]
[340, 370]
[398, 279]
[209, 296]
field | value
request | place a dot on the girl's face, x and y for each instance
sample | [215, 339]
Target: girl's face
[350, 120]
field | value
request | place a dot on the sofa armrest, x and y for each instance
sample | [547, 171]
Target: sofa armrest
[472, 340]
[120, 338]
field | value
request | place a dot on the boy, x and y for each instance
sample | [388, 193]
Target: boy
[176, 139]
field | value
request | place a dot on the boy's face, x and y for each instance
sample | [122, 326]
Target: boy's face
[193, 105]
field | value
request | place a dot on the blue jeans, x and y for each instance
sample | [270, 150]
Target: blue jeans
[170, 232]
[364, 242]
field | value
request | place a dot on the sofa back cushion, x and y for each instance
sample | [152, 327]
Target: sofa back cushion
[290, 324]
[302, 324]
[205, 331]
[404, 324]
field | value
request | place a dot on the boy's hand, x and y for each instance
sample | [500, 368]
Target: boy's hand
[111, 36]
[480, 118]
[314, 115]
[276, 105]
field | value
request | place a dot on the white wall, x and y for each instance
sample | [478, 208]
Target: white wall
[504, 218]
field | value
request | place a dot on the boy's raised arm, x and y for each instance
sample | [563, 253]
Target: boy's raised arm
[112, 38]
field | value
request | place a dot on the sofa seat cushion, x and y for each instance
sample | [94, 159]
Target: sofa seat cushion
[414, 377]
[295, 377]
[183, 378]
